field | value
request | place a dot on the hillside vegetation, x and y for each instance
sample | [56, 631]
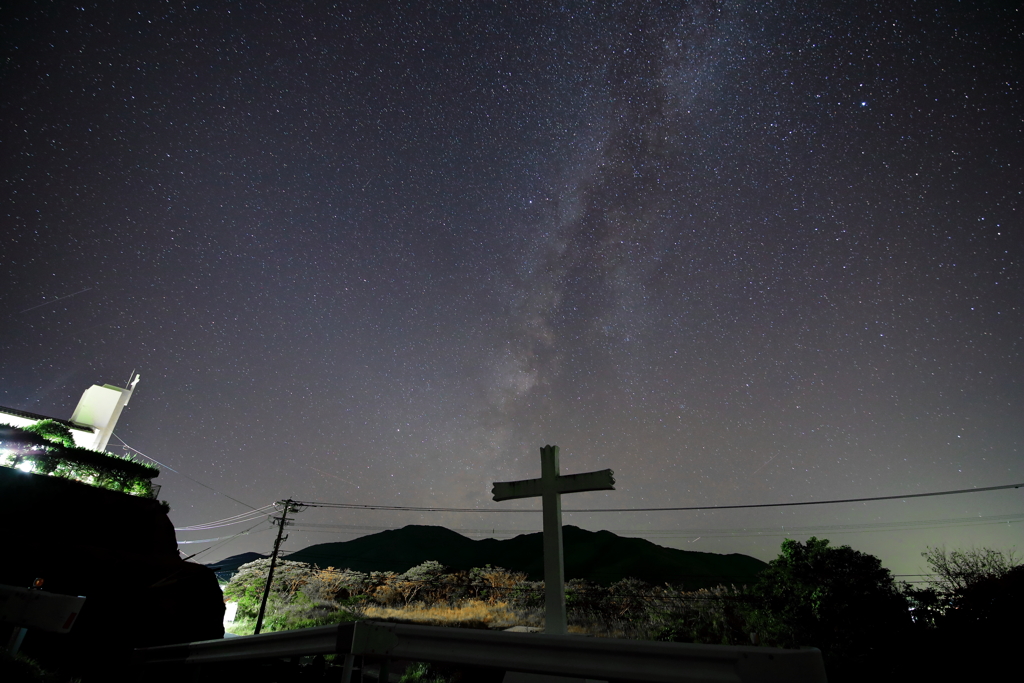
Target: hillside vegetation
[483, 597]
[813, 594]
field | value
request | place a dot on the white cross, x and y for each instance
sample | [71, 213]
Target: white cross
[550, 488]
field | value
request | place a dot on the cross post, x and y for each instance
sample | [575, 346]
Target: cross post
[550, 488]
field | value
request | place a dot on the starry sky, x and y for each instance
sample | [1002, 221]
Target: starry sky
[366, 252]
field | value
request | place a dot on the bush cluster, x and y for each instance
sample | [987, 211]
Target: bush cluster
[301, 596]
[305, 595]
[837, 599]
[51, 449]
[971, 606]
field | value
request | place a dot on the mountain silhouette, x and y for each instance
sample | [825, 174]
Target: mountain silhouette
[598, 556]
[229, 565]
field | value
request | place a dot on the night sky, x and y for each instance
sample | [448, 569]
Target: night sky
[369, 252]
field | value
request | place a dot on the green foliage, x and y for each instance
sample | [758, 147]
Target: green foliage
[247, 585]
[713, 616]
[834, 598]
[581, 594]
[301, 596]
[837, 599]
[53, 431]
[61, 458]
[631, 598]
[424, 672]
[430, 570]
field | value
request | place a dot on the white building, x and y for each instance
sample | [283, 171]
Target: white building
[94, 419]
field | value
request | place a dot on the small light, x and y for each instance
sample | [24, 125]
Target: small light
[25, 466]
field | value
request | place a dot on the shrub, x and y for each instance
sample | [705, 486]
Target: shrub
[837, 599]
[48, 447]
[498, 580]
[433, 583]
[987, 611]
[713, 616]
[425, 672]
[301, 595]
[53, 431]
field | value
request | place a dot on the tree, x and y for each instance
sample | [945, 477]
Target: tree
[835, 598]
[988, 611]
[980, 596]
[958, 570]
[974, 619]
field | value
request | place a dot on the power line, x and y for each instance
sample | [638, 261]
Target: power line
[225, 538]
[803, 531]
[833, 528]
[242, 518]
[353, 506]
[135, 450]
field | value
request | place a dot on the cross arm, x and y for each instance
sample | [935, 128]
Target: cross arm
[602, 480]
[510, 490]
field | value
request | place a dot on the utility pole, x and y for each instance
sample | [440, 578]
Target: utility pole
[282, 522]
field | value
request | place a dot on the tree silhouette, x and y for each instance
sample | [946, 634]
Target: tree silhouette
[838, 599]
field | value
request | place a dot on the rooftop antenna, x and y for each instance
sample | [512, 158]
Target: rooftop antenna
[130, 377]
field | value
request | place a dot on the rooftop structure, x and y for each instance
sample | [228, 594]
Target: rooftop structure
[74, 449]
[94, 418]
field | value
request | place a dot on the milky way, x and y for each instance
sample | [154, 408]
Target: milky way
[737, 252]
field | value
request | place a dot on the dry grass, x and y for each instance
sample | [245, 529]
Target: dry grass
[471, 613]
[494, 615]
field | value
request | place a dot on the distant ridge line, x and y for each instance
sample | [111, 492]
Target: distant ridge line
[598, 556]
[355, 506]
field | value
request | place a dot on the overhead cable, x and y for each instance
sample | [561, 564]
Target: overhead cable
[353, 506]
[224, 541]
[168, 467]
[224, 538]
[315, 527]
[728, 532]
[266, 510]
